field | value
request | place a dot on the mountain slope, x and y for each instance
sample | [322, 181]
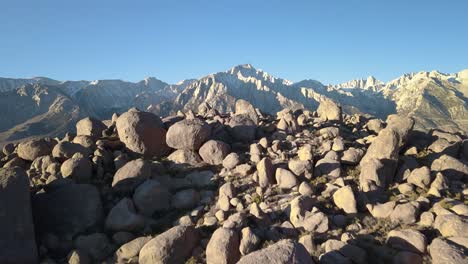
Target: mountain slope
[272, 94]
[38, 110]
[42, 106]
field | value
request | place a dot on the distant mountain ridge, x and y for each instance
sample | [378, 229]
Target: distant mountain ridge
[45, 107]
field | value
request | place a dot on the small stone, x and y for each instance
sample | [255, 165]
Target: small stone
[344, 199]
[231, 161]
[285, 179]
[305, 189]
[265, 171]
[420, 177]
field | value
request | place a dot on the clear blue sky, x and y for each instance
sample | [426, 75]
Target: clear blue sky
[331, 41]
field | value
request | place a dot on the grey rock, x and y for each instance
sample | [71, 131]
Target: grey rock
[185, 199]
[131, 249]
[214, 151]
[187, 157]
[32, 149]
[65, 150]
[188, 134]
[249, 241]
[450, 167]
[444, 252]
[173, 246]
[151, 197]
[132, 174]
[123, 217]
[142, 132]
[285, 178]
[329, 110]
[407, 240]
[265, 171]
[78, 168]
[344, 199]
[223, 247]
[68, 209]
[90, 127]
[244, 107]
[242, 128]
[282, 252]
[231, 161]
[17, 240]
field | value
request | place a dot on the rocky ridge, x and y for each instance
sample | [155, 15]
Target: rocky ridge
[237, 187]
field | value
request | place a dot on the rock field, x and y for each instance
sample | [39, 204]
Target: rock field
[241, 187]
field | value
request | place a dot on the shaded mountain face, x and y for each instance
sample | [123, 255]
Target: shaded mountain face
[36, 110]
[34, 106]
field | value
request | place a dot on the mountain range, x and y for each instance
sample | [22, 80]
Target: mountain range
[45, 107]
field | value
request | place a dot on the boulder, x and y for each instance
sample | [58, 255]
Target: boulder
[231, 161]
[85, 141]
[17, 240]
[420, 177]
[285, 178]
[405, 213]
[223, 247]
[214, 151]
[344, 199]
[356, 254]
[329, 110]
[185, 199]
[244, 107]
[249, 241]
[90, 127]
[329, 167]
[378, 166]
[352, 156]
[131, 249]
[123, 217]
[78, 168]
[173, 246]
[400, 124]
[305, 153]
[65, 150]
[451, 224]
[281, 252]
[407, 240]
[151, 197]
[32, 149]
[301, 167]
[132, 174]
[265, 171]
[445, 252]
[375, 125]
[450, 167]
[142, 133]
[67, 209]
[242, 128]
[188, 134]
[185, 157]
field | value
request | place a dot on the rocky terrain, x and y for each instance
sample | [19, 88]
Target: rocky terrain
[48, 107]
[240, 186]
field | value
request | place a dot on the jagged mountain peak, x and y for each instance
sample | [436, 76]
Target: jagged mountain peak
[247, 72]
